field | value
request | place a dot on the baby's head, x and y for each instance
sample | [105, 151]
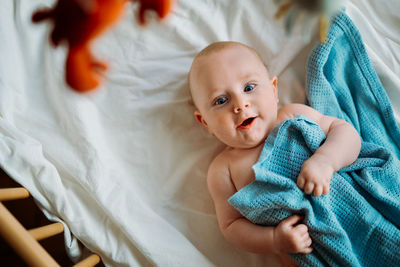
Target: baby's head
[235, 98]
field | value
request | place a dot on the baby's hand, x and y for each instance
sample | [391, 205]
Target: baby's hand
[315, 176]
[292, 238]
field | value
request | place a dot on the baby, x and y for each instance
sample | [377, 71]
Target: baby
[237, 101]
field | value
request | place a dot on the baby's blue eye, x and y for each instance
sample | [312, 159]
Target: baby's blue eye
[221, 100]
[249, 87]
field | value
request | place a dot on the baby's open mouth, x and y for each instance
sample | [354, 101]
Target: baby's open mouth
[247, 123]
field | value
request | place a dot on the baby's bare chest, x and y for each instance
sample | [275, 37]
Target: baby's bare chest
[240, 167]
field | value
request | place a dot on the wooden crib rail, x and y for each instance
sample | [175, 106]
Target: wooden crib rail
[25, 242]
[13, 193]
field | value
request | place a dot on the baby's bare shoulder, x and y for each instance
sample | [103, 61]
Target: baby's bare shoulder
[291, 110]
[220, 164]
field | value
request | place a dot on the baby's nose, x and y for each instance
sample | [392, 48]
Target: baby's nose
[239, 108]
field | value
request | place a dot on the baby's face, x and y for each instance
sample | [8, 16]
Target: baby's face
[236, 99]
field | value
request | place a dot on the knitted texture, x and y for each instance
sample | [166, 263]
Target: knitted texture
[358, 222]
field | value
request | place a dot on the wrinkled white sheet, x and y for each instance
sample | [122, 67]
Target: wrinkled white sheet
[124, 167]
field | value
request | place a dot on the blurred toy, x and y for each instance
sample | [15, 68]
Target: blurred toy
[79, 23]
[325, 9]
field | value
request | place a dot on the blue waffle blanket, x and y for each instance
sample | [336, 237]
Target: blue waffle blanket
[358, 222]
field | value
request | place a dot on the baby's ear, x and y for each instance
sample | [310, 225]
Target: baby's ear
[274, 81]
[200, 119]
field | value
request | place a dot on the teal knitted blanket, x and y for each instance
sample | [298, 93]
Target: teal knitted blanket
[358, 222]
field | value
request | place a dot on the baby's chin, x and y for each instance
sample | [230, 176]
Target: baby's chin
[247, 145]
[252, 141]
[246, 140]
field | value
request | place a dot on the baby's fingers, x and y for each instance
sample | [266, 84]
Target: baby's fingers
[318, 190]
[326, 189]
[307, 250]
[307, 245]
[309, 188]
[302, 229]
[301, 181]
[308, 242]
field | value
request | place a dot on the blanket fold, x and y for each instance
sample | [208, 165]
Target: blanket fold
[358, 222]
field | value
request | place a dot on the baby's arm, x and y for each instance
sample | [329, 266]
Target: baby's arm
[340, 149]
[287, 237]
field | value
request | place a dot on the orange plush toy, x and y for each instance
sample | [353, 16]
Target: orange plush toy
[79, 23]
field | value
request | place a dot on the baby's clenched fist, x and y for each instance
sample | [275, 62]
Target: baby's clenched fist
[292, 238]
[315, 176]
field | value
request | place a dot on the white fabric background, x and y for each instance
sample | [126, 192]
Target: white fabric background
[124, 167]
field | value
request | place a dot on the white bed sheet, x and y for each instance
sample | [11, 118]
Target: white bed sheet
[124, 167]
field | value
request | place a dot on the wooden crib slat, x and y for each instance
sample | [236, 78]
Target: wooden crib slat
[46, 231]
[13, 193]
[22, 242]
[90, 261]
[323, 28]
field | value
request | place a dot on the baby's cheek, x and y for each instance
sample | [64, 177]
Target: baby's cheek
[224, 124]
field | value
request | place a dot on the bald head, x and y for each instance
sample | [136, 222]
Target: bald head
[214, 48]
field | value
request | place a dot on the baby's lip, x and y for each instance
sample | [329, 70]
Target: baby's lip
[247, 123]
